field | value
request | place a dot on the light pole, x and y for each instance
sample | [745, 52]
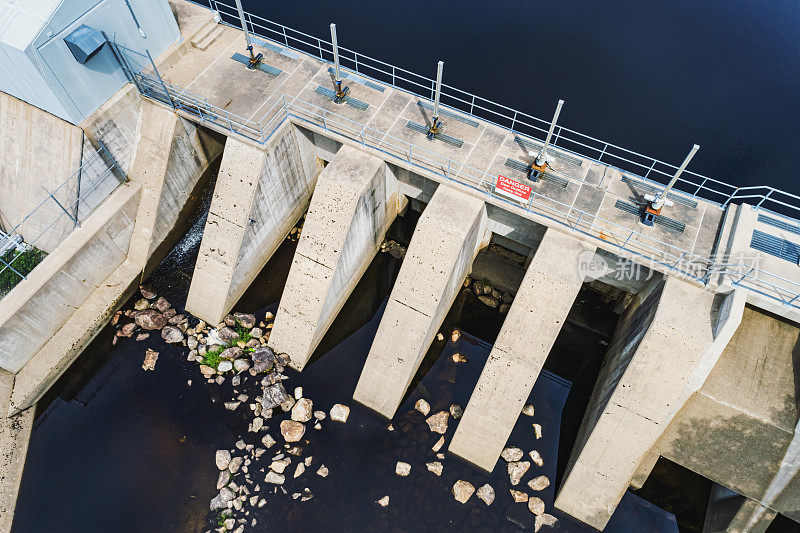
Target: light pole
[341, 93]
[657, 201]
[542, 160]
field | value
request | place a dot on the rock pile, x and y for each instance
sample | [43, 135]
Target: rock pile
[490, 296]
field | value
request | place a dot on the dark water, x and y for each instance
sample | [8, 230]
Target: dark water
[654, 77]
[115, 448]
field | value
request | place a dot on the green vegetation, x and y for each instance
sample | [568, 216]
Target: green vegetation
[212, 358]
[23, 263]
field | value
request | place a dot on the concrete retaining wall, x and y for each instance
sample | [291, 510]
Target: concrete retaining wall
[352, 207]
[449, 233]
[38, 306]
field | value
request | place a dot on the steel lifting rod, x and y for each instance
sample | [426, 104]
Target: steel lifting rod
[254, 59]
[341, 93]
[541, 159]
[435, 122]
[658, 201]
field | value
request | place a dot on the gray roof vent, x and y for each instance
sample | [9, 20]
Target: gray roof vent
[84, 42]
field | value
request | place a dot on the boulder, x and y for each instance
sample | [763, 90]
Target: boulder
[246, 320]
[516, 470]
[462, 491]
[223, 459]
[302, 410]
[171, 335]
[241, 365]
[539, 483]
[176, 319]
[512, 454]
[435, 467]
[150, 319]
[227, 335]
[221, 500]
[263, 359]
[489, 301]
[459, 358]
[150, 358]
[235, 465]
[527, 410]
[537, 430]
[323, 471]
[544, 520]
[340, 412]
[127, 330]
[231, 353]
[423, 407]
[223, 479]
[383, 502]
[268, 441]
[438, 422]
[456, 411]
[536, 505]
[438, 446]
[147, 292]
[161, 304]
[486, 494]
[274, 395]
[207, 371]
[536, 458]
[292, 431]
[402, 469]
[518, 496]
[224, 366]
[275, 478]
[141, 305]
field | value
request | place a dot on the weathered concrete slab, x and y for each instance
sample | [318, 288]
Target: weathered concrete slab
[259, 195]
[528, 333]
[662, 352]
[449, 233]
[354, 203]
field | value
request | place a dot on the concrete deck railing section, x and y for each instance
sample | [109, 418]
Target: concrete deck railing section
[693, 183]
[62, 209]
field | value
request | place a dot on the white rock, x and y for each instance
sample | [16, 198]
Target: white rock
[257, 424]
[536, 458]
[340, 412]
[235, 464]
[301, 467]
[423, 407]
[273, 477]
[223, 459]
[402, 469]
[267, 440]
[435, 467]
[223, 479]
[516, 470]
[240, 444]
[439, 337]
[455, 336]
[320, 415]
[280, 465]
[486, 494]
[438, 422]
[241, 365]
[224, 366]
[292, 431]
[544, 520]
[438, 445]
[231, 406]
[512, 454]
[383, 502]
[519, 496]
[527, 410]
[536, 505]
[537, 430]
[462, 491]
[298, 393]
[308, 460]
[302, 410]
[323, 471]
[539, 483]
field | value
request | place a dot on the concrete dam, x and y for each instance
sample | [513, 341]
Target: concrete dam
[700, 370]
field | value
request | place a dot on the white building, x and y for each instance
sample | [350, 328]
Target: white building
[71, 81]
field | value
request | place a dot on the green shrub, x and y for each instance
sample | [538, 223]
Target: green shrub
[23, 263]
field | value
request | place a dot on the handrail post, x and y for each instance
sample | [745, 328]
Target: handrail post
[659, 200]
[163, 85]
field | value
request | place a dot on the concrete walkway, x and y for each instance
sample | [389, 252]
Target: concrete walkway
[354, 203]
[449, 233]
[534, 321]
[14, 435]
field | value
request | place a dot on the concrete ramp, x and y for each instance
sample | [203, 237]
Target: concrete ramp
[354, 203]
[449, 233]
[259, 195]
[665, 345]
[534, 321]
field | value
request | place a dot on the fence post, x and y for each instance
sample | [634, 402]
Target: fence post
[163, 85]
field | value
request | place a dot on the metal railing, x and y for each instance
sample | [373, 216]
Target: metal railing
[58, 213]
[691, 184]
[609, 235]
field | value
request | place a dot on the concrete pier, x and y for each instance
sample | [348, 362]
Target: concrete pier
[449, 233]
[260, 194]
[666, 344]
[534, 321]
[354, 203]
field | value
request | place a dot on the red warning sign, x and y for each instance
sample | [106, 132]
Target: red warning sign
[512, 188]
